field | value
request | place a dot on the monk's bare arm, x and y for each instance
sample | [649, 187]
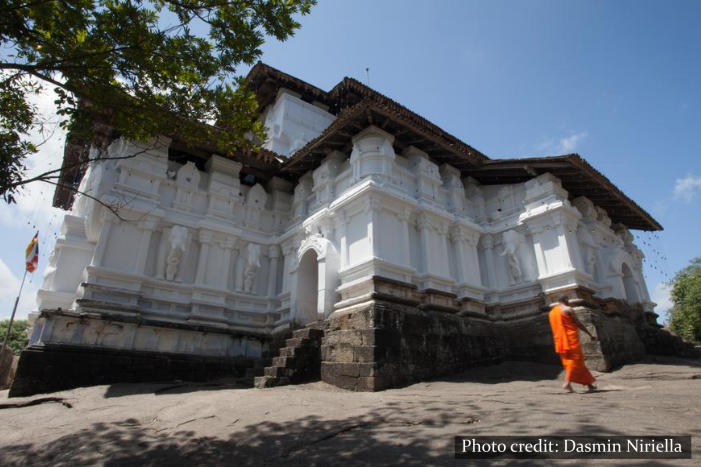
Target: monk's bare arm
[570, 312]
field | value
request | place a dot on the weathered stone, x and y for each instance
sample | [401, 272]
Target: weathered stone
[45, 369]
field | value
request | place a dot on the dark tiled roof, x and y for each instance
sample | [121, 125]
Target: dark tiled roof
[578, 177]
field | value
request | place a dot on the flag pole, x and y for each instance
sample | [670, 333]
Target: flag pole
[14, 310]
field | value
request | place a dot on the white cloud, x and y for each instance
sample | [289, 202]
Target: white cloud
[661, 296]
[9, 287]
[9, 283]
[570, 143]
[34, 200]
[686, 188]
[565, 144]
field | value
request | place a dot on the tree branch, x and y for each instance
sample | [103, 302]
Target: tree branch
[48, 173]
[111, 208]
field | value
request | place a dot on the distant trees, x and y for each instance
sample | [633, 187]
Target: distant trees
[18, 336]
[685, 315]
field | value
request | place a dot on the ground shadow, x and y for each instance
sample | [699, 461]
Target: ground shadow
[406, 431]
[175, 387]
[506, 371]
[671, 360]
[305, 441]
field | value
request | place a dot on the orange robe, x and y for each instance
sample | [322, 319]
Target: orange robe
[566, 338]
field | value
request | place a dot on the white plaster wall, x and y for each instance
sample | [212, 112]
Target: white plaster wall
[397, 216]
[291, 123]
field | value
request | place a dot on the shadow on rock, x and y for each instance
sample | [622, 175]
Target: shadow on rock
[305, 441]
[507, 371]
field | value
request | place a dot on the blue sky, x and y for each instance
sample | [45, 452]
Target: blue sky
[617, 82]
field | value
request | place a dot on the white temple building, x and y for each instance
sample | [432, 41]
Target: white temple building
[356, 208]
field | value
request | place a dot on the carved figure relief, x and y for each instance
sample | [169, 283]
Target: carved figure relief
[512, 241]
[188, 175]
[177, 244]
[602, 216]
[255, 201]
[187, 179]
[250, 271]
[586, 208]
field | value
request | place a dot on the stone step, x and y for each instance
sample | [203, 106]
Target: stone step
[277, 371]
[308, 333]
[270, 381]
[263, 381]
[297, 342]
[299, 361]
[283, 361]
[288, 351]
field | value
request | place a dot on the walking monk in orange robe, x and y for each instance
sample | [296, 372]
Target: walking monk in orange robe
[564, 324]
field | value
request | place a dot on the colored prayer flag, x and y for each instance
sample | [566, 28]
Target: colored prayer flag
[32, 253]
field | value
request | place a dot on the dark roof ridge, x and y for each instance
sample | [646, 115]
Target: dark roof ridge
[335, 99]
[647, 222]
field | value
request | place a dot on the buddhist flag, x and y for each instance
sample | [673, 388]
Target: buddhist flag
[32, 253]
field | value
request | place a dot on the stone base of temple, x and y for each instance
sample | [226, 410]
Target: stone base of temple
[49, 368]
[383, 344]
[617, 341]
[390, 340]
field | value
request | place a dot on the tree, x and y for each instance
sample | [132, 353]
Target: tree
[145, 67]
[685, 315]
[18, 336]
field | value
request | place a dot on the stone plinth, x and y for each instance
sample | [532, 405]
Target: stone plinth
[48, 369]
[386, 344]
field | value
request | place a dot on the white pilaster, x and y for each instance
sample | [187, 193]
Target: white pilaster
[273, 254]
[205, 240]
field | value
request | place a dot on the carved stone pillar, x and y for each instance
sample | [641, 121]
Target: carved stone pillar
[487, 244]
[472, 263]
[205, 240]
[441, 262]
[273, 254]
[238, 272]
[373, 207]
[147, 227]
[404, 215]
[288, 252]
[342, 229]
[231, 281]
[458, 237]
[423, 224]
[98, 256]
[227, 245]
[162, 252]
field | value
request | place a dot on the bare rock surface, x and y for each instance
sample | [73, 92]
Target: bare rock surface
[224, 423]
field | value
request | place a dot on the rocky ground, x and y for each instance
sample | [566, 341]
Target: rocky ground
[224, 423]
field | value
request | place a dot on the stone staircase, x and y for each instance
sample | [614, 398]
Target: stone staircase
[298, 362]
[258, 368]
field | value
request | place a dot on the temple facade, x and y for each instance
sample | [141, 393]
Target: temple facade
[413, 253]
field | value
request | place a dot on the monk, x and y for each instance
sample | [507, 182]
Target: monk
[564, 324]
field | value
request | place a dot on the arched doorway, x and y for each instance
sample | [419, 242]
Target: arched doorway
[631, 288]
[307, 288]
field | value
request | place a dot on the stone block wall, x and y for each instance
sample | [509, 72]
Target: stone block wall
[530, 339]
[390, 341]
[617, 339]
[47, 369]
[384, 344]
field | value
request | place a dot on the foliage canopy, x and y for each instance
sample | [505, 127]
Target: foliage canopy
[18, 336]
[685, 315]
[147, 67]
